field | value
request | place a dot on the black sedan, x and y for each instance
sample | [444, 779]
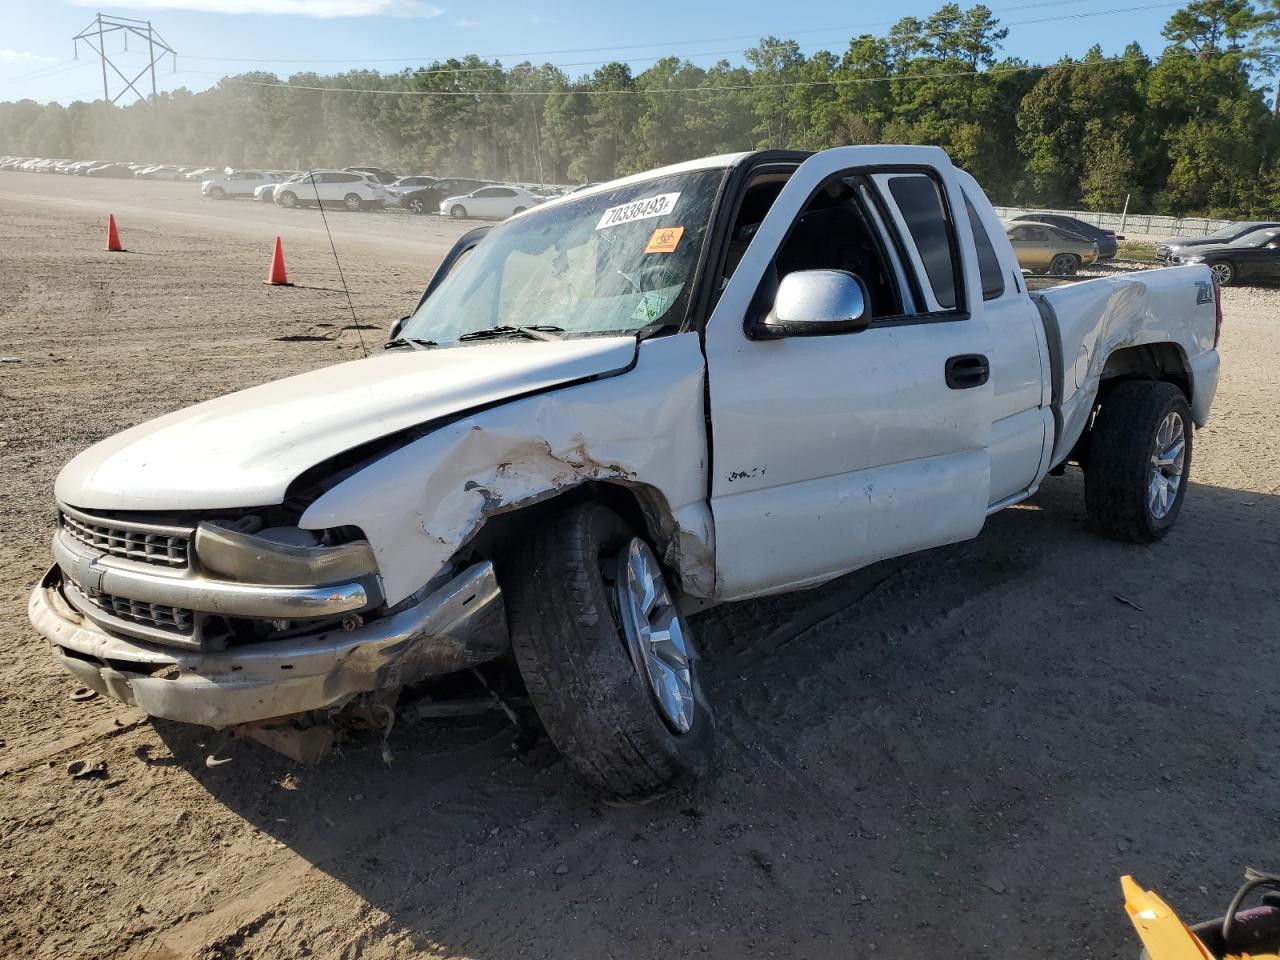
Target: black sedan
[428, 199]
[1105, 239]
[1169, 249]
[1252, 258]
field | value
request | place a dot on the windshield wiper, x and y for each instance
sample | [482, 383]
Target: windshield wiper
[413, 343]
[540, 331]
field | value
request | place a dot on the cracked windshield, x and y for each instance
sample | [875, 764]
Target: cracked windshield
[610, 262]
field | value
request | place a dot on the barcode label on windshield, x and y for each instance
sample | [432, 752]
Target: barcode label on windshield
[643, 209]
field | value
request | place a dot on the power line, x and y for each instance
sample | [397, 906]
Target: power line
[665, 43]
[723, 88]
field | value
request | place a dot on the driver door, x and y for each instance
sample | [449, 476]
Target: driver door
[832, 452]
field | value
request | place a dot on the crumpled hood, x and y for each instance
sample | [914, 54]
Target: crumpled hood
[244, 449]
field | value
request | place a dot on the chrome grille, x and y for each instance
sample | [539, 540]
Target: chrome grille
[159, 616]
[167, 548]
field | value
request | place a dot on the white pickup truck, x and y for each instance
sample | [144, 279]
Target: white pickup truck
[718, 380]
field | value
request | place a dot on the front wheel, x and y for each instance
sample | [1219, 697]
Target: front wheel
[459, 212]
[289, 199]
[217, 193]
[1139, 460]
[1224, 274]
[1064, 265]
[607, 657]
[415, 205]
[353, 202]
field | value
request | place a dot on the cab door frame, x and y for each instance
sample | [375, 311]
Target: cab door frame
[901, 463]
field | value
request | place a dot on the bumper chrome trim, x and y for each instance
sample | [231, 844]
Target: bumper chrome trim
[96, 571]
[461, 624]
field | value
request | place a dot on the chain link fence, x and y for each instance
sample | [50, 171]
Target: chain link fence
[1133, 224]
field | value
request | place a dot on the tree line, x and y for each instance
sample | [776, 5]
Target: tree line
[1188, 131]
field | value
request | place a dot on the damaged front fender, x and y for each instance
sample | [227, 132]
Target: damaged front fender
[646, 428]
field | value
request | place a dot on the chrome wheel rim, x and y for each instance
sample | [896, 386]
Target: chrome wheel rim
[1164, 477]
[655, 634]
[1221, 273]
[353, 203]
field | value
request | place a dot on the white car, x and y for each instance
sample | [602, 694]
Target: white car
[162, 172]
[235, 183]
[490, 203]
[202, 173]
[714, 381]
[355, 191]
[395, 191]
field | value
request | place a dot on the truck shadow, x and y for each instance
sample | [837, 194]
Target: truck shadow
[965, 747]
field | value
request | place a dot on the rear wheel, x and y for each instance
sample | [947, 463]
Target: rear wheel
[1139, 461]
[459, 212]
[607, 656]
[353, 202]
[518, 210]
[1064, 265]
[1224, 274]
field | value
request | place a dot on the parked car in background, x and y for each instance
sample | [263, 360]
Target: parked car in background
[1105, 239]
[427, 199]
[1251, 257]
[1167, 250]
[1043, 248]
[116, 171]
[267, 192]
[201, 173]
[235, 183]
[397, 190]
[382, 175]
[338, 188]
[490, 203]
[162, 172]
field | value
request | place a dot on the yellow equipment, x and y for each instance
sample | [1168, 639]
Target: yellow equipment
[1252, 934]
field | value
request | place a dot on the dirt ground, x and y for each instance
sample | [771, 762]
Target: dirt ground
[954, 754]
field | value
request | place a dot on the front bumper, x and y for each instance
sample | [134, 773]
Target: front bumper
[460, 625]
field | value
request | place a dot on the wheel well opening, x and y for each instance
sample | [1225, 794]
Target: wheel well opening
[643, 508]
[1148, 361]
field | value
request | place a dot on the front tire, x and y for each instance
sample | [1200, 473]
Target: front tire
[1139, 461]
[289, 199]
[217, 193]
[459, 212]
[1224, 274]
[606, 657]
[415, 205]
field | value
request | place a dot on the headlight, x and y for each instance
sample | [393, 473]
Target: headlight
[1190, 259]
[255, 558]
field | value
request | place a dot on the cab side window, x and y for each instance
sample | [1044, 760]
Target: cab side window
[920, 203]
[834, 232]
[988, 263]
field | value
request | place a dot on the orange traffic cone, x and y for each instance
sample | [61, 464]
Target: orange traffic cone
[113, 235]
[278, 277]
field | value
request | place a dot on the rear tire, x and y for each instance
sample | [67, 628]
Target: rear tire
[459, 212]
[596, 702]
[353, 202]
[1064, 265]
[1143, 429]
[518, 210]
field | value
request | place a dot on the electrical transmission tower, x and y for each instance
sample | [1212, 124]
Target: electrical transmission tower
[156, 48]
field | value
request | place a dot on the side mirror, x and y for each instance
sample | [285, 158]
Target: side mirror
[815, 303]
[394, 330]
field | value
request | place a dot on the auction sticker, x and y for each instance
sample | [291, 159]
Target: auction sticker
[643, 209]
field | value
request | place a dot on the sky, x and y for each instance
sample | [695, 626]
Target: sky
[214, 38]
